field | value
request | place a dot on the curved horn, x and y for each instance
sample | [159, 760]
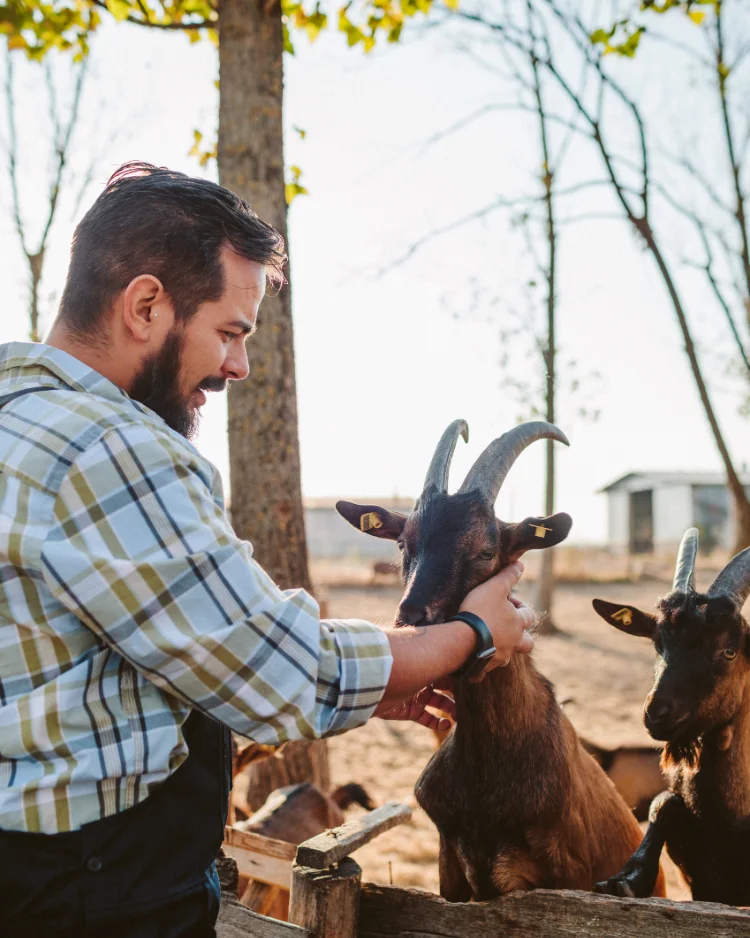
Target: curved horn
[489, 471]
[684, 572]
[437, 474]
[734, 580]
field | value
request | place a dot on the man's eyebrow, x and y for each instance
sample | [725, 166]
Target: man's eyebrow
[244, 325]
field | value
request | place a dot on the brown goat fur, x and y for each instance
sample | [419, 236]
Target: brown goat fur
[518, 801]
[297, 812]
[635, 771]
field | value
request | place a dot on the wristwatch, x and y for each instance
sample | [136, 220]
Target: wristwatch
[485, 649]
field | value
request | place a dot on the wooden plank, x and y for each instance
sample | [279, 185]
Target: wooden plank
[386, 912]
[235, 921]
[262, 858]
[331, 846]
[264, 869]
[326, 902]
[259, 844]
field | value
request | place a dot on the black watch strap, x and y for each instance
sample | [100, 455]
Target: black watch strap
[485, 649]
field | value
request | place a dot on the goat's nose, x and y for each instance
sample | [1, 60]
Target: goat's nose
[412, 615]
[659, 711]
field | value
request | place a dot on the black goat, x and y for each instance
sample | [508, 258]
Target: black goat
[517, 801]
[700, 707]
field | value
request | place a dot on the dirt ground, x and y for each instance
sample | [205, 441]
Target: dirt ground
[601, 675]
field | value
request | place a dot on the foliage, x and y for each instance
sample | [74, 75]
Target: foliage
[624, 36]
[293, 187]
[36, 26]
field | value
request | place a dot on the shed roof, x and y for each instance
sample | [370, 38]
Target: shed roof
[651, 480]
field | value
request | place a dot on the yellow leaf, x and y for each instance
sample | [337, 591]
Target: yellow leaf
[452, 4]
[120, 9]
[697, 16]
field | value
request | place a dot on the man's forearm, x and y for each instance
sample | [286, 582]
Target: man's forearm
[423, 655]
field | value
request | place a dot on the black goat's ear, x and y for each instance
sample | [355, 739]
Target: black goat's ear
[626, 618]
[534, 533]
[372, 519]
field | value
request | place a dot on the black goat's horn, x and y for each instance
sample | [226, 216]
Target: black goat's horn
[489, 471]
[437, 474]
[684, 572]
[734, 580]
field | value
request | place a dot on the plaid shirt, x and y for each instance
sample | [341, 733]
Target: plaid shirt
[126, 600]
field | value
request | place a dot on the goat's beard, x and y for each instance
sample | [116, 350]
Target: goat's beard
[157, 385]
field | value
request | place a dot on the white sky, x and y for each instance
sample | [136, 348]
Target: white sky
[383, 363]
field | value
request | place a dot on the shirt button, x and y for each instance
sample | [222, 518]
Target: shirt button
[93, 864]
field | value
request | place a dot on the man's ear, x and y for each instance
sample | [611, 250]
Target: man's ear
[372, 519]
[533, 533]
[626, 618]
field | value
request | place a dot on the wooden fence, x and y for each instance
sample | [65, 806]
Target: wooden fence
[328, 900]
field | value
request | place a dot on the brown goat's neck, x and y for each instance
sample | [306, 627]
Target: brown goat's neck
[504, 706]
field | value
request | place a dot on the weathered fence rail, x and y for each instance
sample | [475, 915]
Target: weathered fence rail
[328, 900]
[389, 912]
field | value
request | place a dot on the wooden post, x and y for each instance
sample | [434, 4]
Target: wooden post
[326, 902]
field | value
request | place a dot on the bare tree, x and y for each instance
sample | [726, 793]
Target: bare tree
[604, 107]
[63, 126]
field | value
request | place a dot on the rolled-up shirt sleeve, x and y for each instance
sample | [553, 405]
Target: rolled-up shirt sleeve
[142, 552]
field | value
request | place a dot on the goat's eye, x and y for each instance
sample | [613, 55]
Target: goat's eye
[730, 653]
[400, 545]
[487, 555]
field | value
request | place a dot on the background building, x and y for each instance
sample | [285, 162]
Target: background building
[329, 537]
[650, 510]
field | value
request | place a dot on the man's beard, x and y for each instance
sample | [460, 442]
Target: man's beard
[157, 385]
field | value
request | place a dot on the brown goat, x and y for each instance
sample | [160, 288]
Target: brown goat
[297, 812]
[517, 801]
[294, 814]
[700, 707]
[635, 771]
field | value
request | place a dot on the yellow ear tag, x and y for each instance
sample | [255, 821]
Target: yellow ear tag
[623, 615]
[370, 520]
[540, 530]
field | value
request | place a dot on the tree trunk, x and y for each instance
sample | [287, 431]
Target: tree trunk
[299, 761]
[546, 583]
[736, 489]
[264, 460]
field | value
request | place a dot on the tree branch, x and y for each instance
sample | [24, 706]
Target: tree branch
[155, 24]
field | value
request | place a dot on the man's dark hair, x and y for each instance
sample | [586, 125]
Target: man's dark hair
[152, 220]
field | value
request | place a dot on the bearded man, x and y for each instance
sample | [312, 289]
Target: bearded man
[136, 630]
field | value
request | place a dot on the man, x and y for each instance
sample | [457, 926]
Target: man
[136, 630]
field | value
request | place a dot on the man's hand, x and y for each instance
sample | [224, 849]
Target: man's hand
[506, 617]
[414, 709]
[425, 656]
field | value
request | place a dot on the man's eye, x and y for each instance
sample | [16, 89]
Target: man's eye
[229, 335]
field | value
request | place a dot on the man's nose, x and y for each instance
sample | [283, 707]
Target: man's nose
[236, 366]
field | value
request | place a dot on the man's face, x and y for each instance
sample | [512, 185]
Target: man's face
[206, 352]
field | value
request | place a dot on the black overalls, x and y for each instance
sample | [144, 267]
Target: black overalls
[146, 872]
